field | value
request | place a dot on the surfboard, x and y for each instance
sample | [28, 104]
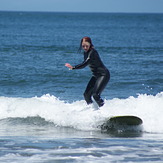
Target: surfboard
[117, 122]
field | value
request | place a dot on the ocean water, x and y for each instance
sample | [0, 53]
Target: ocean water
[43, 117]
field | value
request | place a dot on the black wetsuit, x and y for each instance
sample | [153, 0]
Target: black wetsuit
[99, 79]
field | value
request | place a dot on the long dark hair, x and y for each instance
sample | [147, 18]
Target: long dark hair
[86, 39]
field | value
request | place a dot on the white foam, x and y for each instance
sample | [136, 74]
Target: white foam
[79, 115]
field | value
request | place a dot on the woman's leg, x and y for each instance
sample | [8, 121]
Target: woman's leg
[89, 90]
[99, 86]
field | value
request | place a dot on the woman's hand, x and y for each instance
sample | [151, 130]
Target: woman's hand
[69, 66]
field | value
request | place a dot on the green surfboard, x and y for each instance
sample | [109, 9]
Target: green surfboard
[126, 120]
[121, 121]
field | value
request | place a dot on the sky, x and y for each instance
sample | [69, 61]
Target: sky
[126, 6]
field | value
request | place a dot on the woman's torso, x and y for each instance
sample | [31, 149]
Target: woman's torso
[96, 65]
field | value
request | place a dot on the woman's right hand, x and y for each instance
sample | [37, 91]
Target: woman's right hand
[69, 66]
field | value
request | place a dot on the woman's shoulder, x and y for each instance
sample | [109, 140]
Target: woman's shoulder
[93, 50]
[93, 54]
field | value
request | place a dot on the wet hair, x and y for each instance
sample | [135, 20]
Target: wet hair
[86, 39]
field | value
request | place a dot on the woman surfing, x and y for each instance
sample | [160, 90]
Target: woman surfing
[100, 74]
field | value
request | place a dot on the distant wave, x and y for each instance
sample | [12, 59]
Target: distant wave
[32, 121]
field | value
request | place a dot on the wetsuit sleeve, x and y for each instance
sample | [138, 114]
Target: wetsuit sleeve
[83, 64]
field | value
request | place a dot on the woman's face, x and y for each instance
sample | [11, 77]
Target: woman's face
[86, 46]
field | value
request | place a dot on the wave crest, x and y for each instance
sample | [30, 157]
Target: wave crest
[48, 109]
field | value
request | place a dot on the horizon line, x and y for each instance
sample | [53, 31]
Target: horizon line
[95, 12]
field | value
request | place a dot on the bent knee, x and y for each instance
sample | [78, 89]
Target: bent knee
[85, 94]
[96, 96]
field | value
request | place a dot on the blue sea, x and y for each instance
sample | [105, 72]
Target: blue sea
[43, 115]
